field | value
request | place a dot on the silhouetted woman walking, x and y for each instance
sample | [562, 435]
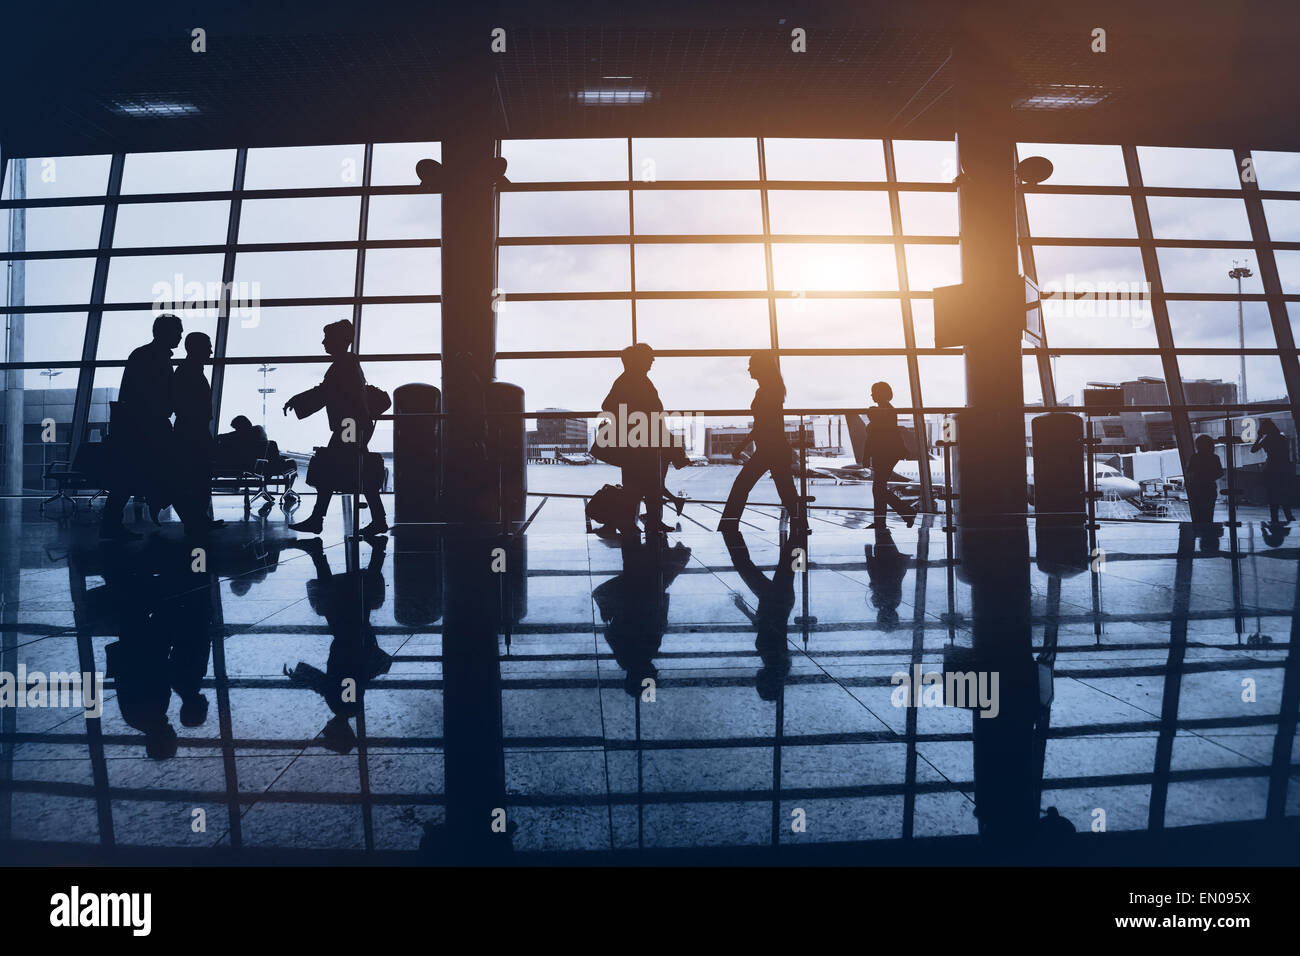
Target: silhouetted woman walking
[772, 453]
[192, 437]
[885, 447]
[342, 394]
[1279, 476]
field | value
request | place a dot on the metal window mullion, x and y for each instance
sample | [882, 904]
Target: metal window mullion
[1046, 380]
[909, 332]
[767, 248]
[363, 228]
[220, 346]
[1268, 275]
[631, 244]
[1159, 311]
[95, 314]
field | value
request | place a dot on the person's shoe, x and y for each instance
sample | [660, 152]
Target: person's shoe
[374, 529]
[679, 502]
[909, 520]
[312, 524]
[606, 531]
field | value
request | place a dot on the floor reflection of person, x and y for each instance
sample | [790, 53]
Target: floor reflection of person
[1279, 473]
[634, 607]
[886, 568]
[355, 657]
[165, 612]
[771, 617]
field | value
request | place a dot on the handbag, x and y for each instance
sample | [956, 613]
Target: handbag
[377, 401]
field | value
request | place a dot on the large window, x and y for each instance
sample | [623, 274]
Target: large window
[707, 249]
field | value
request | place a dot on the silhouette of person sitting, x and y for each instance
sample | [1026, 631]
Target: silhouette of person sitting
[1201, 479]
[342, 394]
[772, 452]
[140, 429]
[886, 568]
[885, 447]
[1279, 474]
[355, 657]
[192, 437]
[245, 442]
[634, 607]
[771, 618]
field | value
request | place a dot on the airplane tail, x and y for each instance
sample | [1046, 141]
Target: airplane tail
[857, 437]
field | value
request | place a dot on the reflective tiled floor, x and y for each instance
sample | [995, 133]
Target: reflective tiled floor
[723, 693]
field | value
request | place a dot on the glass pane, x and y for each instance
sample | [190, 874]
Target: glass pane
[804, 323]
[403, 271]
[1071, 217]
[55, 177]
[1205, 270]
[398, 328]
[47, 337]
[564, 326]
[827, 160]
[178, 172]
[697, 383]
[303, 167]
[925, 161]
[1217, 379]
[817, 266]
[1275, 170]
[703, 323]
[52, 228]
[393, 164]
[313, 219]
[841, 381]
[565, 160]
[704, 266]
[1199, 168]
[1031, 381]
[580, 384]
[1109, 379]
[1214, 325]
[932, 265]
[659, 160]
[405, 217]
[829, 213]
[1185, 218]
[1283, 218]
[1288, 268]
[49, 393]
[283, 330]
[290, 275]
[923, 323]
[943, 380]
[171, 224]
[47, 282]
[601, 213]
[603, 268]
[928, 214]
[1076, 164]
[1088, 268]
[693, 212]
[121, 333]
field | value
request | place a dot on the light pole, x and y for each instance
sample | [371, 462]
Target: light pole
[49, 374]
[1241, 272]
[265, 370]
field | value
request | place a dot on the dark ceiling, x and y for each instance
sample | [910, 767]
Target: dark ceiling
[83, 77]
